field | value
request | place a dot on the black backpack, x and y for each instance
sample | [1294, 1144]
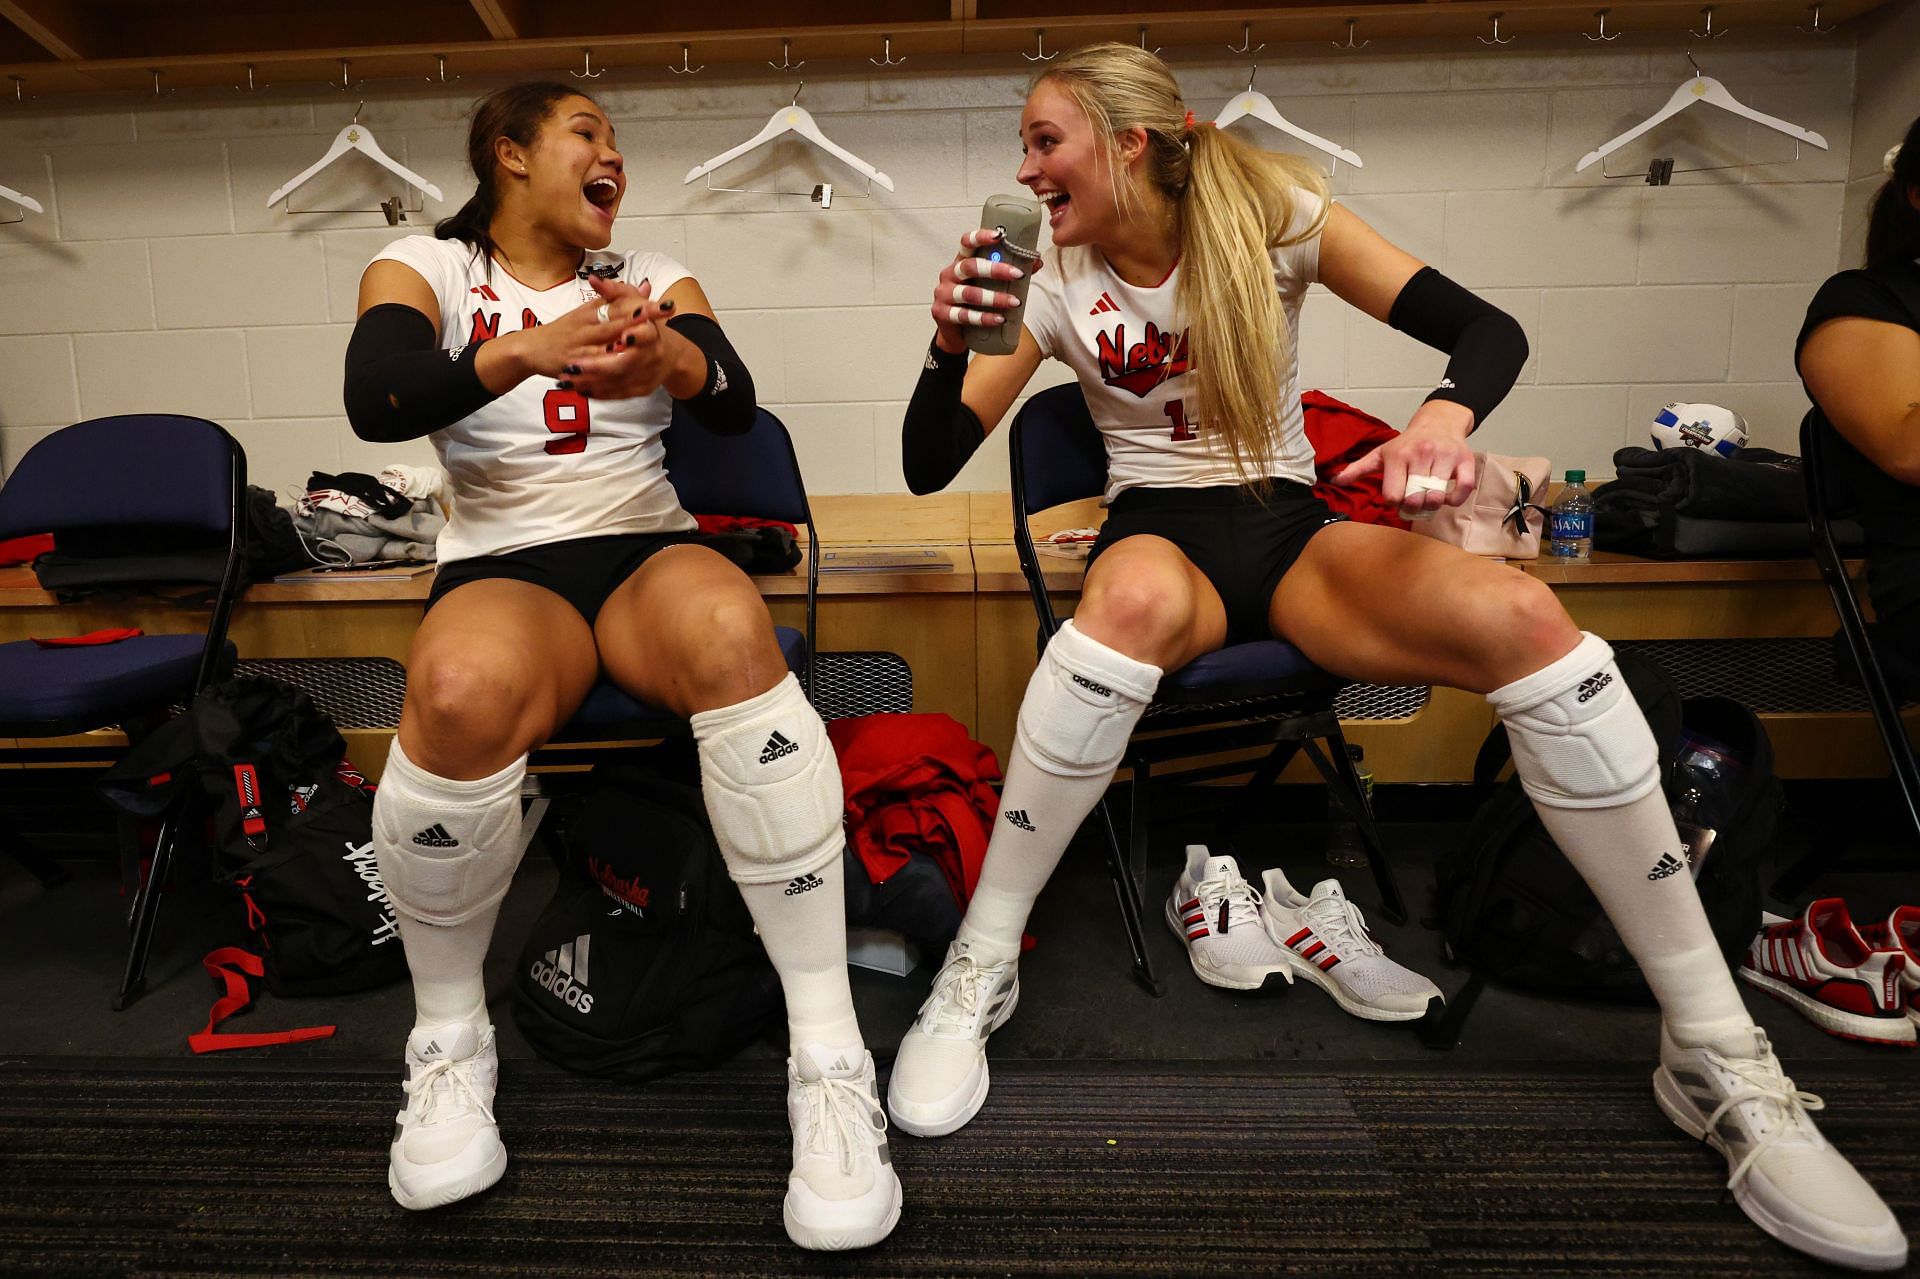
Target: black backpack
[645, 962]
[1515, 911]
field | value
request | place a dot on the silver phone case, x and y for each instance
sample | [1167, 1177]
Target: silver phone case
[1020, 219]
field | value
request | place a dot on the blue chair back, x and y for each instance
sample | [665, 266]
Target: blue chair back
[754, 474]
[140, 469]
[1056, 451]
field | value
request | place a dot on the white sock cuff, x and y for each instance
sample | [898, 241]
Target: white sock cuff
[1586, 659]
[402, 769]
[1083, 655]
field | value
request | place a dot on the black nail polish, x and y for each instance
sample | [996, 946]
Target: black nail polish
[666, 306]
[565, 385]
[571, 368]
[629, 339]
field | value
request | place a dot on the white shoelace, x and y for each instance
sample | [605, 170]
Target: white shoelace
[1341, 925]
[955, 1000]
[437, 1082]
[834, 1108]
[1765, 1082]
[1242, 898]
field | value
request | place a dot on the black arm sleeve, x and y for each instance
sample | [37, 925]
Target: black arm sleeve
[940, 433]
[400, 386]
[725, 405]
[1488, 346]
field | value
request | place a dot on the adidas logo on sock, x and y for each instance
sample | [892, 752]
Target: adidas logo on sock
[1086, 683]
[777, 746]
[804, 884]
[435, 836]
[1018, 816]
[562, 973]
[1667, 865]
[1590, 687]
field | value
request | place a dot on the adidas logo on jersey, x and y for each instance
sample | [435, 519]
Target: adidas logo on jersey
[1106, 303]
[1092, 687]
[1591, 686]
[562, 973]
[435, 836]
[777, 746]
[804, 884]
[1667, 865]
[1018, 816]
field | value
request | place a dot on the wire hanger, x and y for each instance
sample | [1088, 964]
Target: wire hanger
[792, 118]
[356, 137]
[1699, 88]
[1260, 107]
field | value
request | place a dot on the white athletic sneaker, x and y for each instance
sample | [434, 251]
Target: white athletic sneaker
[446, 1144]
[940, 1075]
[1325, 939]
[1785, 1176]
[843, 1192]
[1217, 914]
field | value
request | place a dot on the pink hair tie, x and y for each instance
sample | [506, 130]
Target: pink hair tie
[1189, 121]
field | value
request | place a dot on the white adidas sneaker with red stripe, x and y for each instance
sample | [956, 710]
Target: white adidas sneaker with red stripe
[1325, 939]
[1821, 965]
[1216, 913]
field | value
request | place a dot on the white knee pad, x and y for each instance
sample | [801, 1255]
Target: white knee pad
[771, 785]
[447, 848]
[1579, 738]
[1081, 705]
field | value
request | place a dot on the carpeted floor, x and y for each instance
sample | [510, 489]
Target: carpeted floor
[1089, 1168]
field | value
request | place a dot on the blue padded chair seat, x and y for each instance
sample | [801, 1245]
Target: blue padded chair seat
[610, 712]
[95, 683]
[1261, 668]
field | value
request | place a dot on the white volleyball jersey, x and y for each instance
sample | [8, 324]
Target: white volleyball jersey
[1127, 346]
[540, 464]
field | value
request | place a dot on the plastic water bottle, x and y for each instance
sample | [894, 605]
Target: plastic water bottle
[1346, 849]
[1573, 521]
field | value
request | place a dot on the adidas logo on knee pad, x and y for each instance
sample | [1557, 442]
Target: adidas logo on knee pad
[1088, 684]
[1018, 816]
[804, 884]
[776, 747]
[1590, 687]
[435, 836]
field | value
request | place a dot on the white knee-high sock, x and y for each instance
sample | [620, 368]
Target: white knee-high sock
[1079, 709]
[772, 788]
[1588, 761]
[447, 851]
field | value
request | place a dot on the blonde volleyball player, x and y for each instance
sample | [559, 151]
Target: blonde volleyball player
[1181, 257]
[545, 367]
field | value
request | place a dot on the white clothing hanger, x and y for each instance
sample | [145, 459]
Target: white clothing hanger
[792, 118]
[1260, 107]
[1701, 88]
[356, 137]
[24, 201]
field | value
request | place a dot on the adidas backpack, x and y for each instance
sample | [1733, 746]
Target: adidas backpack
[645, 962]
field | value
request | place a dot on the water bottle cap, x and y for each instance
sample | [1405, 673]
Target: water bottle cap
[1576, 477]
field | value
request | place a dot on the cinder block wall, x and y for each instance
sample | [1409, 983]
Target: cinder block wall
[158, 280]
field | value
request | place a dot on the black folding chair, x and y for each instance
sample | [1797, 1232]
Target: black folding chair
[157, 472]
[1259, 694]
[1825, 499]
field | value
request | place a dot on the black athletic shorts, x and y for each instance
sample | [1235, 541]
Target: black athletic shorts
[583, 571]
[1244, 546]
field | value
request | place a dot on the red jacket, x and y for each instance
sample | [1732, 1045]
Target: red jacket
[1341, 434]
[916, 783]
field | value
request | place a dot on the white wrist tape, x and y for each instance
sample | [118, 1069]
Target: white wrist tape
[1579, 738]
[771, 785]
[447, 849]
[1081, 705]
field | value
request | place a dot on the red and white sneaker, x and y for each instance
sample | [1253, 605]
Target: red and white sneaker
[1821, 965]
[1900, 933]
[1216, 912]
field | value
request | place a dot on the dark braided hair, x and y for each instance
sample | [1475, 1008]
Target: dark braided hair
[516, 112]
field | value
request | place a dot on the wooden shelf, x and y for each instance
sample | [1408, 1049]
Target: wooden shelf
[91, 46]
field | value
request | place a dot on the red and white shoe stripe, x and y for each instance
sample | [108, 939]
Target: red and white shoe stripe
[1308, 946]
[1194, 919]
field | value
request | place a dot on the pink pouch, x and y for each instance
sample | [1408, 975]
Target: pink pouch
[1503, 517]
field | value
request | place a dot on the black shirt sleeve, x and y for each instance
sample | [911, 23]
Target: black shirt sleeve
[1869, 295]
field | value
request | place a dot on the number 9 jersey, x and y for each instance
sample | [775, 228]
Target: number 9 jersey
[540, 465]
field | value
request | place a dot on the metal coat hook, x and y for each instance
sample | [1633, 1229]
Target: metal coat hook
[19, 88]
[250, 86]
[1040, 53]
[345, 84]
[443, 77]
[590, 73]
[1709, 33]
[1351, 24]
[1246, 41]
[1816, 29]
[1496, 33]
[786, 64]
[1602, 15]
[686, 67]
[886, 58]
[1143, 42]
[157, 92]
